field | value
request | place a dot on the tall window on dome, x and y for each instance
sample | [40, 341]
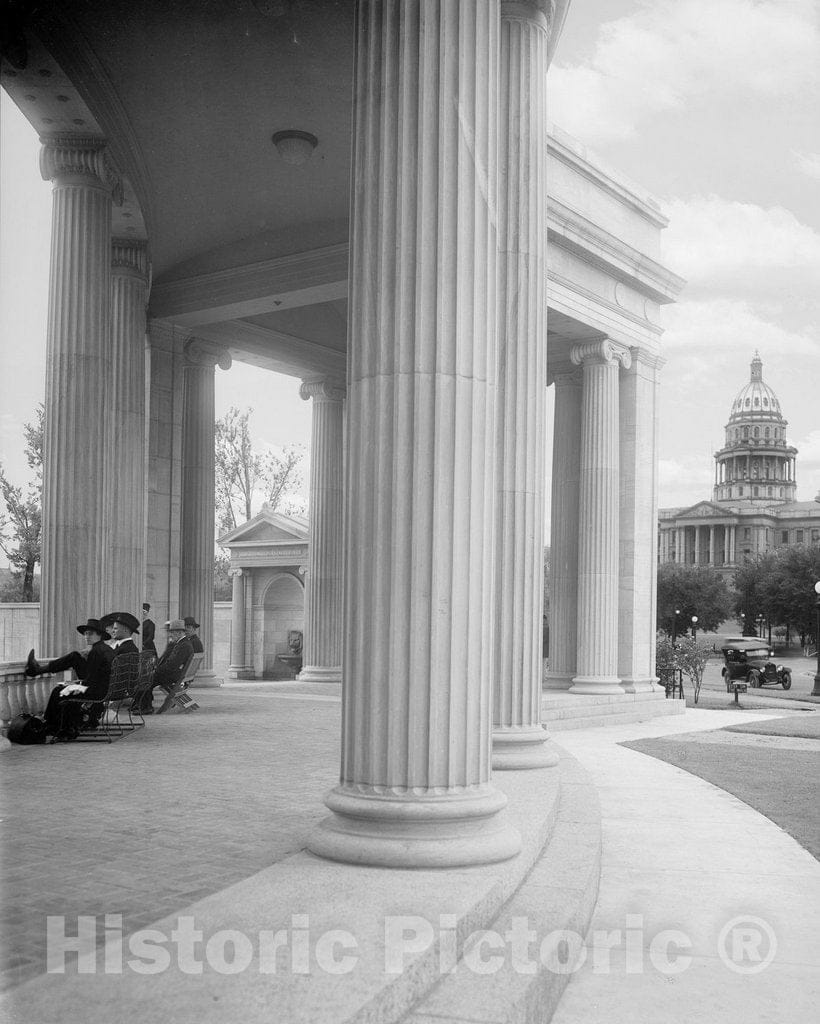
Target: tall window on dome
[770, 492]
[757, 402]
[765, 403]
[740, 492]
[782, 492]
[766, 432]
[757, 431]
[756, 492]
[745, 433]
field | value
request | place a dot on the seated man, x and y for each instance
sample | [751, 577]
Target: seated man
[191, 627]
[170, 667]
[121, 626]
[64, 712]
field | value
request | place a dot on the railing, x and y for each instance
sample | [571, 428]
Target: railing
[19, 693]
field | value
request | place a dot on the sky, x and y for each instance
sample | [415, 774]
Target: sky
[710, 105]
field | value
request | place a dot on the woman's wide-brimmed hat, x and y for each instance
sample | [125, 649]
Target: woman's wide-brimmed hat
[92, 626]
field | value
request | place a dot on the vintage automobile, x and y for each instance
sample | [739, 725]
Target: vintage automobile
[747, 661]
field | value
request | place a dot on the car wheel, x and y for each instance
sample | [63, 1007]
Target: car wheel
[753, 679]
[786, 681]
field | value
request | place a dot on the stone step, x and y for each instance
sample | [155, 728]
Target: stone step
[555, 903]
[615, 718]
[562, 711]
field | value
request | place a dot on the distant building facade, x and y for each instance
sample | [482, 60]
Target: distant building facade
[753, 508]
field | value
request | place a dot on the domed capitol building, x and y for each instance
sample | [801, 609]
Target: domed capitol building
[753, 508]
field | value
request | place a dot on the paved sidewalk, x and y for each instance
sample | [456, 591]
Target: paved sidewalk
[682, 856]
[94, 829]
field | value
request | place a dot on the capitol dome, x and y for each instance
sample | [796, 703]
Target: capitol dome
[755, 400]
[756, 465]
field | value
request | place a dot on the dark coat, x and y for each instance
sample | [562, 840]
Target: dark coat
[172, 662]
[126, 647]
[196, 643]
[95, 670]
[148, 631]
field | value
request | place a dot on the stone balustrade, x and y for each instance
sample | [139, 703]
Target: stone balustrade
[19, 693]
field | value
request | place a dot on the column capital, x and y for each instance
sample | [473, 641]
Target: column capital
[199, 353]
[645, 357]
[236, 572]
[129, 258]
[79, 160]
[605, 351]
[540, 11]
[323, 389]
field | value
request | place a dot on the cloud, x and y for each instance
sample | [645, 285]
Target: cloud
[684, 480]
[671, 52]
[721, 244]
[807, 163]
[808, 465]
[711, 333]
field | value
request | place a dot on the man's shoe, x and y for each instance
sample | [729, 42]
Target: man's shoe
[33, 667]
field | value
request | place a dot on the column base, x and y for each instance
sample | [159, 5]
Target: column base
[320, 674]
[646, 684]
[522, 747]
[556, 680]
[596, 684]
[206, 680]
[410, 831]
[241, 672]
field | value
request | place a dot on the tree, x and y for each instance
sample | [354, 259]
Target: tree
[21, 523]
[780, 586]
[691, 658]
[691, 590]
[223, 587]
[243, 474]
[752, 583]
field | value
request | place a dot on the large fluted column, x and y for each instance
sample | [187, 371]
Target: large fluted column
[519, 740]
[597, 647]
[78, 362]
[322, 651]
[638, 514]
[196, 584]
[419, 483]
[239, 668]
[566, 469]
[125, 423]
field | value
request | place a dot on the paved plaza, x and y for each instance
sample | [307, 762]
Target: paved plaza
[196, 803]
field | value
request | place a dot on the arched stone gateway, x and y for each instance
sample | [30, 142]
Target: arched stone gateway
[282, 614]
[482, 259]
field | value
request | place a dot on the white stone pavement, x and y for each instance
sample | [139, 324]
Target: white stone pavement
[679, 853]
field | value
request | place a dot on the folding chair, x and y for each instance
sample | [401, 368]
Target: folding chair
[178, 699]
[124, 681]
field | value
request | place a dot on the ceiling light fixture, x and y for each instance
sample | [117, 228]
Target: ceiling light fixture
[293, 146]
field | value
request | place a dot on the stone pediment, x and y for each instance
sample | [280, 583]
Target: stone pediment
[703, 510]
[267, 529]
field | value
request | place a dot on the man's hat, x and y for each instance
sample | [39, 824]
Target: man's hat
[93, 626]
[146, 607]
[128, 620]
[175, 624]
[191, 621]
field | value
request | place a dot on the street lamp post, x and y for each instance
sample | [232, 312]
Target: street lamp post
[760, 621]
[743, 623]
[816, 691]
[694, 627]
[675, 626]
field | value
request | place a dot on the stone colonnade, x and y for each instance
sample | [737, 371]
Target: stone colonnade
[604, 513]
[100, 551]
[427, 479]
[712, 544]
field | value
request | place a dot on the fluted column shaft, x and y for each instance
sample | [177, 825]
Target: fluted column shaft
[238, 667]
[566, 468]
[125, 423]
[420, 487]
[78, 362]
[322, 650]
[638, 515]
[196, 585]
[598, 527]
[518, 737]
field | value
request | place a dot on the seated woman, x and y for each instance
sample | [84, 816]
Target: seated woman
[64, 711]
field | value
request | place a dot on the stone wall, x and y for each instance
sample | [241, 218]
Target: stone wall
[20, 631]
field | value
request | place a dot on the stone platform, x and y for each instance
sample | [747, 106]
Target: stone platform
[563, 711]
